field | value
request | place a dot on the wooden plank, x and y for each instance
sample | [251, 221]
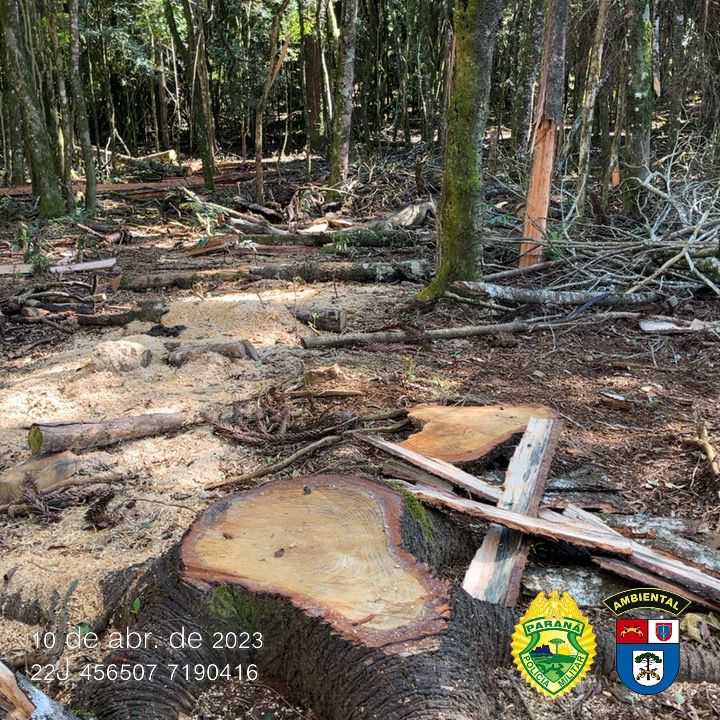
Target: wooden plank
[496, 570]
[12, 699]
[444, 470]
[646, 579]
[562, 530]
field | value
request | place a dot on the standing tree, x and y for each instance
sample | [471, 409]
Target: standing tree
[38, 145]
[343, 100]
[278, 53]
[549, 119]
[81, 117]
[461, 198]
[635, 153]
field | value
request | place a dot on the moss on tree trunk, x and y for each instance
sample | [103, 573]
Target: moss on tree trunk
[461, 199]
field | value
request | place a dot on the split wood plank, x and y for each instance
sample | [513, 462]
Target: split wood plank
[12, 699]
[455, 476]
[496, 570]
[564, 530]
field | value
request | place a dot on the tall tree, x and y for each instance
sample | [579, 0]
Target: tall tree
[461, 198]
[635, 152]
[81, 116]
[45, 180]
[549, 119]
[343, 96]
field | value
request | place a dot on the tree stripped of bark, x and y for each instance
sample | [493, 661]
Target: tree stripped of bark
[549, 119]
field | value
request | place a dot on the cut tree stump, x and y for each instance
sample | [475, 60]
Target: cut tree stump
[55, 437]
[331, 571]
[496, 570]
[464, 434]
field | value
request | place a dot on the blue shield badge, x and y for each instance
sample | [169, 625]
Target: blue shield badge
[647, 654]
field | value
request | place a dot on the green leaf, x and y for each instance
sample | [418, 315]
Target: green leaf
[137, 605]
[82, 629]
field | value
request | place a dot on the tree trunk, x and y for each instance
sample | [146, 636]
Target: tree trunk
[81, 117]
[314, 92]
[46, 183]
[343, 96]
[549, 119]
[333, 585]
[461, 199]
[588, 104]
[278, 53]
[635, 153]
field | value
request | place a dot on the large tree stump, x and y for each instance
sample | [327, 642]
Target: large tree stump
[342, 577]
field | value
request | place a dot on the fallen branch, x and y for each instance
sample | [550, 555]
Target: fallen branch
[145, 312]
[27, 269]
[702, 441]
[280, 465]
[554, 297]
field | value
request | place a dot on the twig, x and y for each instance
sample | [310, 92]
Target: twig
[702, 441]
[280, 465]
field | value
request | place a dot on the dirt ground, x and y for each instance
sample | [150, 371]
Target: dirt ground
[156, 486]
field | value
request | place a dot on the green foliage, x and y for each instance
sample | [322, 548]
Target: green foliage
[137, 606]
[40, 263]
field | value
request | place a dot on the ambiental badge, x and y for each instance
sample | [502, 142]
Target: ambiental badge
[553, 644]
[647, 652]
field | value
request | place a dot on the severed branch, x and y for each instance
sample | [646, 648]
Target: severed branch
[702, 441]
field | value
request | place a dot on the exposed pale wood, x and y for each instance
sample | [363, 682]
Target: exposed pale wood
[587, 585]
[572, 532]
[44, 472]
[601, 501]
[331, 545]
[642, 525]
[647, 579]
[496, 569]
[553, 297]
[55, 437]
[239, 349]
[463, 434]
[455, 476]
[27, 269]
[12, 699]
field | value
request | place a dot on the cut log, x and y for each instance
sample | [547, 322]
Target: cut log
[587, 585]
[27, 269]
[464, 434]
[496, 570]
[329, 571]
[238, 350]
[55, 437]
[373, 272]
[553, 297]
[148, 164]
[410, 217]
[176, 278]
[642, 525]
[42, 472]
[146, 312]
[120, 356]
[246, 226]
[267, 213]
[323, 318]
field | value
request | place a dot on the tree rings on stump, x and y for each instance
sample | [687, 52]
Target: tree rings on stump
[331, 545]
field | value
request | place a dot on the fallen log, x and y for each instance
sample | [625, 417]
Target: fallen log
[496, 569]
[410, 217]
[55, 437]
[333, 580]
[238, 350]
[176, 278]
[145, 312]
[148, 163]
[323, 318]
[27, 269]
[44, 473]
[466, 433]
[553, 297]
[373, 272]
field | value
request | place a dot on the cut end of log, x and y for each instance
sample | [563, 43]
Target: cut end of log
[464, 434]
[331, 545]
[35, 439]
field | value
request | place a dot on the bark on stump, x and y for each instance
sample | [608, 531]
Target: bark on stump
[330, 569]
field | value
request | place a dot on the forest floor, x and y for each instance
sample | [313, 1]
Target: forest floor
[154, 487]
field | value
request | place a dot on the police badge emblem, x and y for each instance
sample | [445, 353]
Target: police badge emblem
[647, 652]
